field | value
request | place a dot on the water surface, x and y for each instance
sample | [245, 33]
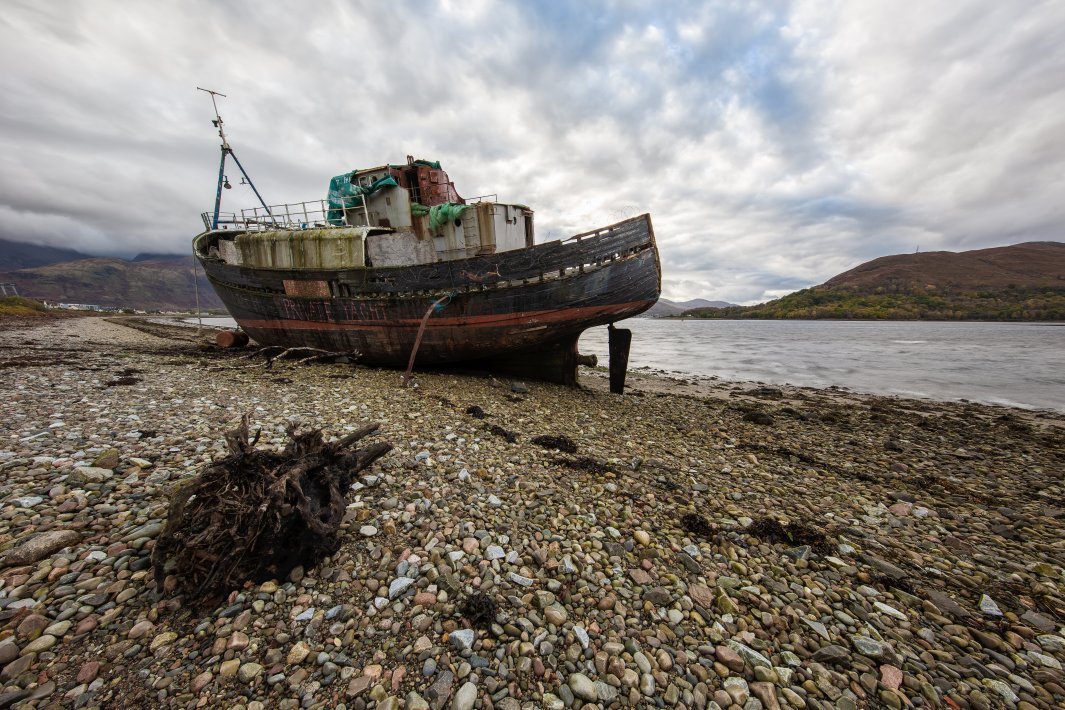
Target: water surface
[1016, 364]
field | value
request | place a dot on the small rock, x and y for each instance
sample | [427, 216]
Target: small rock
[988, 607]
[249, 672]
[462, 639]
[583, 687]
[465, 697]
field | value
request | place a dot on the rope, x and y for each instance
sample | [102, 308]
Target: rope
[438, 305]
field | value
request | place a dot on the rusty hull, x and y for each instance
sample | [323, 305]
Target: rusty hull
[519, 311]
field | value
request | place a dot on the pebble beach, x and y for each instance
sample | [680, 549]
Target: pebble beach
[717, 544]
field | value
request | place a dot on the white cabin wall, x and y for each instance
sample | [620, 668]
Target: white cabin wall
[401, 248]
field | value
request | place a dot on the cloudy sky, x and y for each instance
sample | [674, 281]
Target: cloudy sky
[775, 144]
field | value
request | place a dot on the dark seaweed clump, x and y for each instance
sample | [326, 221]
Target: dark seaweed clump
[583, 463]
[481, 610]
[122, 382]
[510, 436]
[774, 531]
[476, 412]
[696, 525]
[563, 443]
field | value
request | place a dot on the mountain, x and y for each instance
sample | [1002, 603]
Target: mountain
[1019, 282]
[665, 307]
[19, 255]
[151, 284]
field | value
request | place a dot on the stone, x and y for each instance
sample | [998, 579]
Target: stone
[229, 668]
[640, 577]
[398, 586]
[465, 697]
[40, 644]
[462, 639]
[752, 657]
[888, 569]
[732, 660]
[867, 646]
[298, 653]
[140, 629]
[988, 607]
[367, 531]
[108, 459]
[583, 687]
[358, 685]
[494, 552]
[200, 682]
[35, 548]
[1000, 689]
[520, 579]
[702, 595]
[765, 692]
[659, 596]
[947, 605]
[440, 690]
[832, 653]
[642, 537]
[85, 475]
[415, 702]
[890, 676]
[555, 614]
[9, 651]
[249, 672]
[31, 627]
[1037, 620]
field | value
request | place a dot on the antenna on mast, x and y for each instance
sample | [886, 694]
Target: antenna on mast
[227, 151]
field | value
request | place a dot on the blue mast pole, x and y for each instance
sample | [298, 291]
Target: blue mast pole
[218, 193]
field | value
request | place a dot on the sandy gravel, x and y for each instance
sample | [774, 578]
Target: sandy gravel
[707, 544]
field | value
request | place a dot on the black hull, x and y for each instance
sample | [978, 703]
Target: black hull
[520, 311]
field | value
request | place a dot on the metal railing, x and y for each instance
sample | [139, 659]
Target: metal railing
[311, 214]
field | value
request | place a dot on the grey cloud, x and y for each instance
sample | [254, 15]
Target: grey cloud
[774, 144]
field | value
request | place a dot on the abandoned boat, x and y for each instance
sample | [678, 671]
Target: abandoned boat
[394, 262]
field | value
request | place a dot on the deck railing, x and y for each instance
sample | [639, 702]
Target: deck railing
[311, 214]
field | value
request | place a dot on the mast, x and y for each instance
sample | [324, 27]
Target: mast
[227, 151]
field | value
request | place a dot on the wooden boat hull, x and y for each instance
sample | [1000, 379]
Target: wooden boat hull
[520, 311]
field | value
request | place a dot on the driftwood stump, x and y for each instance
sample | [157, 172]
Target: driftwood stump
[255, 515]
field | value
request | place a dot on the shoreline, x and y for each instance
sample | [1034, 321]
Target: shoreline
[607, 597]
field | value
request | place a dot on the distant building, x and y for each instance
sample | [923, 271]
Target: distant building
[88, 307]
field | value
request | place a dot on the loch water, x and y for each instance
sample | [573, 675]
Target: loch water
[1014, 364]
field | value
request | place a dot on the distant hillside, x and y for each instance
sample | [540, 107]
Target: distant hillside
[665, 307]
[160, 257]
[164, 284]
[1020, 282]
[18, 255]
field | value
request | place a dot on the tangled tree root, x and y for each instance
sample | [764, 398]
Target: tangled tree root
[255, 515]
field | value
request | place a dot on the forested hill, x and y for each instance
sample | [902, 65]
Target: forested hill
[1019, 282]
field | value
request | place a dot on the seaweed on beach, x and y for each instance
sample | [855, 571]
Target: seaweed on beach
[774, 531]
[499, 431]
[122, 382]
[563, 443]
[696, 525]
[583, 463]
[476, 412]
[257, 514]
[480, 610]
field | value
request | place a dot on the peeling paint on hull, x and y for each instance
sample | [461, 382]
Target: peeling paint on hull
[526, 318]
